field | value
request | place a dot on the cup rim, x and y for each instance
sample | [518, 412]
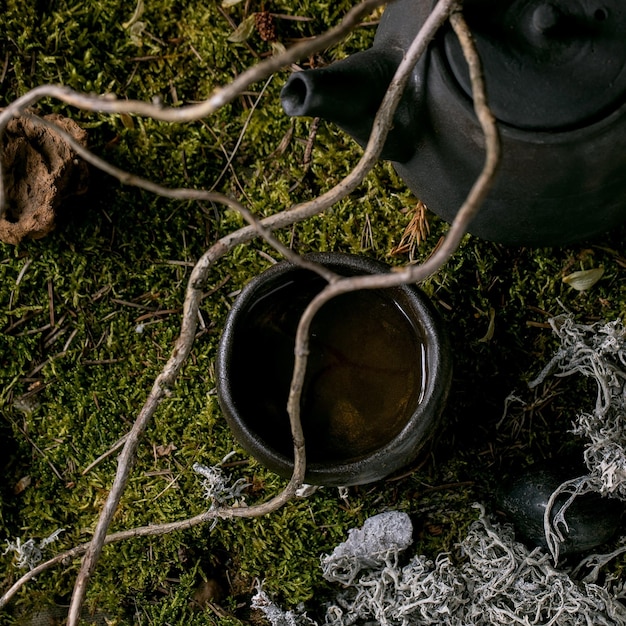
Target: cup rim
[416, 432]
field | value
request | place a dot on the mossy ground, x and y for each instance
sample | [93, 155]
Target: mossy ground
[75, 371]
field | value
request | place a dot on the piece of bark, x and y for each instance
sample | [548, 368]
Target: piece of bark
[40, 171]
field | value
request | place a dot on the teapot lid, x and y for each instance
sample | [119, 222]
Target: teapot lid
[548, 65]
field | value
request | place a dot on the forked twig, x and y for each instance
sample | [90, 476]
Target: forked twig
[259, 227]
[413, 273]
[222, 95]
[263, 228]
[182, 348]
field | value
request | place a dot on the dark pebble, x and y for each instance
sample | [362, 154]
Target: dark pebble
[592, 519]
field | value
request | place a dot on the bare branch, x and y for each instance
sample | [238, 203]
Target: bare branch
[414, 273]
[263, 228]
[182, 348]
[222, 95]
[151, 530]
[185, 194]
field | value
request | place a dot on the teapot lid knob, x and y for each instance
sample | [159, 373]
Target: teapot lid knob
[545, 17]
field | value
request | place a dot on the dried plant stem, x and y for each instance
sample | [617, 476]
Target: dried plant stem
[186, 194]
[220, 96]
[413, 273]
[182, 348]
[161, 388]
[152, 530]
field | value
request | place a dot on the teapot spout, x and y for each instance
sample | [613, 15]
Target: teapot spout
[348, 93]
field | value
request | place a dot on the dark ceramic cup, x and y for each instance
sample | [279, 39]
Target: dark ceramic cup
[377, 379]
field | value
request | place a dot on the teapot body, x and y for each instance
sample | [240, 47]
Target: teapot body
[551, 188]
[556, 82]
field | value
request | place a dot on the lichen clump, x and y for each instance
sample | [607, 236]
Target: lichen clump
[489, 578]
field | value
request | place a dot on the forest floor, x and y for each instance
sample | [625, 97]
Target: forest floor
[89, 313]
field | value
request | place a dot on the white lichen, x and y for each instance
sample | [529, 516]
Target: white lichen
[384, 535]
[488, 579]
[218, 486]
[275, 615]
[30, 553]
[597, 351]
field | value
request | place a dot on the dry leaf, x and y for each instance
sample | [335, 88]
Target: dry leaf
[243, 31]
[21, 485]
[165, 450]
[230, 3]
[584, 279]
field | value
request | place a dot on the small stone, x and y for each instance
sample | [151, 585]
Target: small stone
[592, 519]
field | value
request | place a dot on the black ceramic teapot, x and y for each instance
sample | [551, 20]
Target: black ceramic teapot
[555, 74]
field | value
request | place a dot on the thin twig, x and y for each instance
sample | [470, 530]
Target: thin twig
[259, 226]
[152, 530]
[244, 128]
[55, 471]
[166, 378]
[187, 194]
[222, 95]
[168, 375]
[105, 455]
[414, 273]
[198, 278]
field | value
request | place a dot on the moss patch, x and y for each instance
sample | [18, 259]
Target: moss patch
[89, 316]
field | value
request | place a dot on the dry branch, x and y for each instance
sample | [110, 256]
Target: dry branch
[161, 388]
[222, 95]
[413, 273]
